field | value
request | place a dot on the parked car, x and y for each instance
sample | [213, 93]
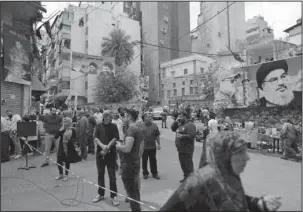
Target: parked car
[157, 113]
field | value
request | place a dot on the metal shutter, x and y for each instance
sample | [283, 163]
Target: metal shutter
[8, 91]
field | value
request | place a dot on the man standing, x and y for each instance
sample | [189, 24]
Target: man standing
[152, 134]
[82, 134]
[119, 123]
[106, 136]
[164, 118]
[131, 150]
[98, 116]
[52, 124]
[90, 134]
[5, 133]
[13, 119]
[185, 142]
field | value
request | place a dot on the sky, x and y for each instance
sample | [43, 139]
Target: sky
[279, 15]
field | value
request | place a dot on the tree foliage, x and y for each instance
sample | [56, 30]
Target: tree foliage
[118, 45]
[118, 88]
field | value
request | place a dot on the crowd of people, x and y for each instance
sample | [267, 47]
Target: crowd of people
[124, 140]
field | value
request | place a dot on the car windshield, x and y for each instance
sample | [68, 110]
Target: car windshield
[158, 110]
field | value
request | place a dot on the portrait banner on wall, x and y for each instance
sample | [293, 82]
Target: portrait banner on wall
[92, 64]
[228, 88]
[277, 83]
[17, 59]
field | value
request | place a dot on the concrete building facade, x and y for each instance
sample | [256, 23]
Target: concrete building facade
[295, 33]
[183, 78]
[80, 31]
[163, 23]
[226, 29]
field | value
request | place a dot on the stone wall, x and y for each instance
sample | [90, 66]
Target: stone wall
[266, 116]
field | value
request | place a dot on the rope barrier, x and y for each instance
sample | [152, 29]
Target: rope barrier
[89, 182]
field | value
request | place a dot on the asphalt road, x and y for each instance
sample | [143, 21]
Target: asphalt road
[263, 175]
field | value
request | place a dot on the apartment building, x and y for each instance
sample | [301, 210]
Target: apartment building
[76, 46]
[167, 25]
[295, 33]
[182, 79]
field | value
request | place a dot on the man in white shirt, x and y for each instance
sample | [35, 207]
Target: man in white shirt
[98, 116]
[13, 119]
[213, 124]
[117, 121]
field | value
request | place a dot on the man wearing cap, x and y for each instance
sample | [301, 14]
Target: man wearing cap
[275, 87]
[105, 138]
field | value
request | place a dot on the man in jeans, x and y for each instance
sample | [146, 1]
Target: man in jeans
[5, 133]
[130, 150]
[52, 124]
[105, 137]
[185, 142]
[152, 134]
[91, 128]
[13, 119]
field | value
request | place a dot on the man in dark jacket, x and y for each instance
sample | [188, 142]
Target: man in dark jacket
[91, 128]
[52, 124]
[185, 142]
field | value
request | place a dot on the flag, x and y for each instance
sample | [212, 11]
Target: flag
[236, 55]
[48, 28]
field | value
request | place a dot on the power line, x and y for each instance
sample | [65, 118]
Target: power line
[207, 20]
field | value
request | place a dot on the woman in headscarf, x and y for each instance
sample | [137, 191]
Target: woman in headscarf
[66, 151]
[217, 186]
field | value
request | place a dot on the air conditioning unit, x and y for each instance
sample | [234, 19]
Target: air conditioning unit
[162, 42]
[166, 19]
[164, 30]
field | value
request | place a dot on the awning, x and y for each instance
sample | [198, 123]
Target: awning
[37, 85]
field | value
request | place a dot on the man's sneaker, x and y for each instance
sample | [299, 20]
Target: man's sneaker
[30, 154]
[145, 177]
[156, 177]
[44, 164]
[17, 156]
[59, 177]
[115, 201]
[12, 156]
[65, 178]
[98, 198]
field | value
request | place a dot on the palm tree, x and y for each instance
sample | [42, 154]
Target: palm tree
[117, 45]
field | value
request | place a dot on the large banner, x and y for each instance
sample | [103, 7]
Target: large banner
[276, 83]
[144, 88]
[92, 64]
[17, 60]
[228, 88]
[91, 85]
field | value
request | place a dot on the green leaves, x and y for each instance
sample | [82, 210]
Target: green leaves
[118, 45]
[118, 88]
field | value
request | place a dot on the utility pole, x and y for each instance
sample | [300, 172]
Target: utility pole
[228, 25]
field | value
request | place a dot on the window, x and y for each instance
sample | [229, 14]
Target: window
[86, 44]
[162, 85]
[183, 83]
[185, 71]
[163, 73]
[183, 91]
[191, 90]
[86, 30]
[168, 93]
[208, 45]
[196, 90]
[219, 34]
[86, 85]
[192, 82]
[86, 18]
[65, 85]
[172, 73]
[174, 84]
[175, 92]
[201, 70]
